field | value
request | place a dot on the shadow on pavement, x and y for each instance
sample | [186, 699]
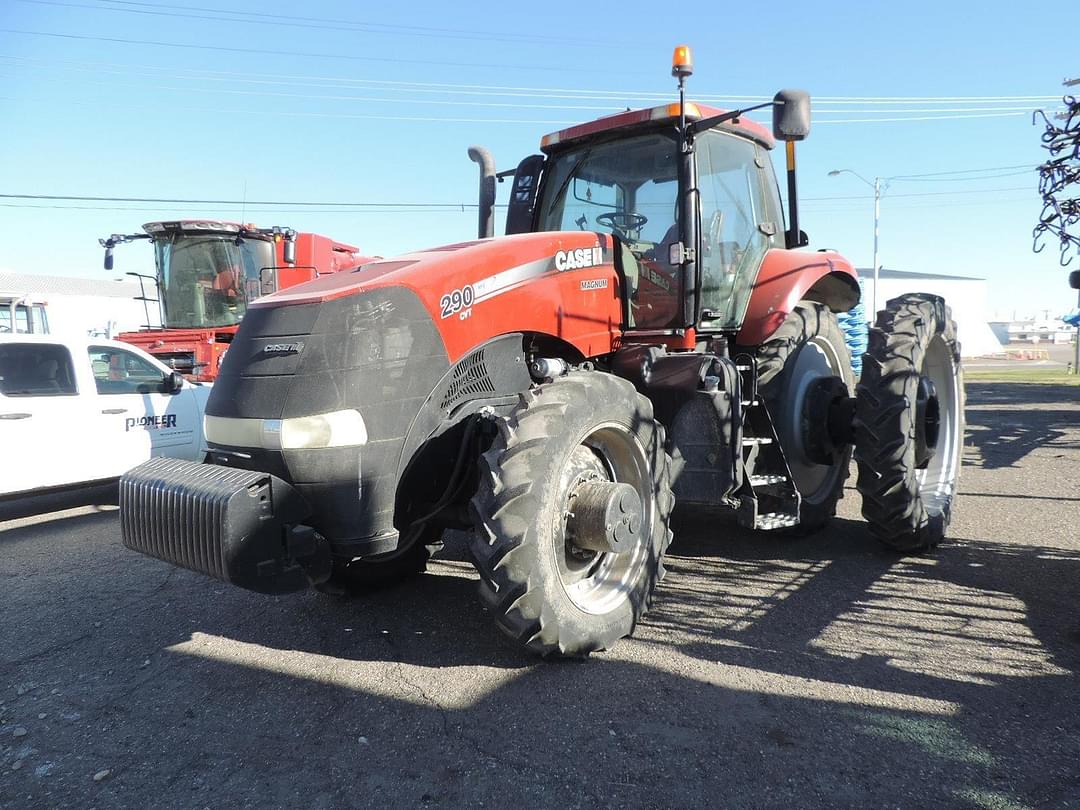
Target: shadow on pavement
[815, 672]
[1004, 437]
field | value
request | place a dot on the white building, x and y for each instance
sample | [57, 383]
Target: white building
[85, 306]
[966, 296]
[1033, 331]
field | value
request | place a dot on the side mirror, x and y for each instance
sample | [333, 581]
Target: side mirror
[290, 250]
[108, 258]
[173, 382]
[267, 280]
[791, 115]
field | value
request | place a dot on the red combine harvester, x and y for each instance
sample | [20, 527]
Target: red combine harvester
[648, 332]
[208, 274]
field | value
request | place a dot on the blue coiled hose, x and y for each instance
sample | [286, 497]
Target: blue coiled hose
[856, 333]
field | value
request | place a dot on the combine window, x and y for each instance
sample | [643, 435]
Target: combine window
[27, 319]
[206, 280]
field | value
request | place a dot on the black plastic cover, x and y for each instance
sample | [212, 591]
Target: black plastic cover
[378, 352]
[519, 212]
[791, 115]
[233, 525]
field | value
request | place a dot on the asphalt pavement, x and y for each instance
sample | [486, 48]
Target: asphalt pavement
[771, 672]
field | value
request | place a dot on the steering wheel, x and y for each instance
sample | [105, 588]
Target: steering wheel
[622, 222]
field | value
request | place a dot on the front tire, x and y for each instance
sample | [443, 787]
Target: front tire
[910, 395]
[548, 594]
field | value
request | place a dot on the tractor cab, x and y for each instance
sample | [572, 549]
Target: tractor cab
[621, 175]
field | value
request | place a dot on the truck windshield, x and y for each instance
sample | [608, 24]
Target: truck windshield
[627, 188]
[207, 280]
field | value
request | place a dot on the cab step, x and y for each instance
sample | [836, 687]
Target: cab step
[776, 520]
[767, 480]
[752, 441]
[768, 498]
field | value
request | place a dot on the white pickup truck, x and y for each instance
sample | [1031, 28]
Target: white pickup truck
[81, 411]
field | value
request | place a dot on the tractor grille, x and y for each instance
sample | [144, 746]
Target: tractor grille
[470, 381]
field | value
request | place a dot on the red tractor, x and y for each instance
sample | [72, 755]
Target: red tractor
[208, 274]
[648, 332]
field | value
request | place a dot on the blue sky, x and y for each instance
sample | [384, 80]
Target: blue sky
[336, 102]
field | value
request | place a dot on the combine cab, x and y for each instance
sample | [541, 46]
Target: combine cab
[208, 274]
[23, 314]
[649, 331]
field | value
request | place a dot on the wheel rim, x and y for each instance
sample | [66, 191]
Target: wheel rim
[937, 482]
[598, 582]
[815, 359]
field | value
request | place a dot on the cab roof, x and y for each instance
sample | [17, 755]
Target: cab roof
[203, 226]
[667, 112]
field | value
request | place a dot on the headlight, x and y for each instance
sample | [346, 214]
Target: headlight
[336, 429]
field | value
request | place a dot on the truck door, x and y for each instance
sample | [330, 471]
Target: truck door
[137, 419]
[44, 422]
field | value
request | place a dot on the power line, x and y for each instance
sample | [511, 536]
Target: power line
[391, 28]
[277, 52]
[293, 22]
[398, 205]
[921, 118]
[202, 211]
[171, 200]
[445, 102]
[501, 90]
[928, 175]
[559, 122]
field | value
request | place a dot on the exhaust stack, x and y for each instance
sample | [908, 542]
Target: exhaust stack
[486, 224]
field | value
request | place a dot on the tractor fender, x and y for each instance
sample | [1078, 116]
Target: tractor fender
[491, 376]
[789, 276]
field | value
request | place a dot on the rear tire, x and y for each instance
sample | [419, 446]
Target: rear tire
[809, 345]
[914, 340]
[550, 596]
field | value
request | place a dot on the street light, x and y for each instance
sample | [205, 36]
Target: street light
[879, 185]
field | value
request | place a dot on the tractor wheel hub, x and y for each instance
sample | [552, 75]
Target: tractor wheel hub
[827, 420]
[604, 516]
[927, 422]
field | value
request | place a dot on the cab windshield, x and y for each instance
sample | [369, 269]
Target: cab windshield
[628, 188]
[207, 280]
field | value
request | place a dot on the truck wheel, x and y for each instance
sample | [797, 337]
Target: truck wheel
[909, 422]
[383, 570]
[571, 515]
[800, 369]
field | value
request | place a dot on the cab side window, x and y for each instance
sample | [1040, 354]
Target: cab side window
[36, 370]
[735, 223]
[117, 371]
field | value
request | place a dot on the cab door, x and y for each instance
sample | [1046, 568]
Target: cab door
[45, 423]
[138, 419]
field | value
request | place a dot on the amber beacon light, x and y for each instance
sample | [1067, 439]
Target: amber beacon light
[682, 62]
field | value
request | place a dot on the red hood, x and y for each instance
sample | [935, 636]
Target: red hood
[482, 288]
